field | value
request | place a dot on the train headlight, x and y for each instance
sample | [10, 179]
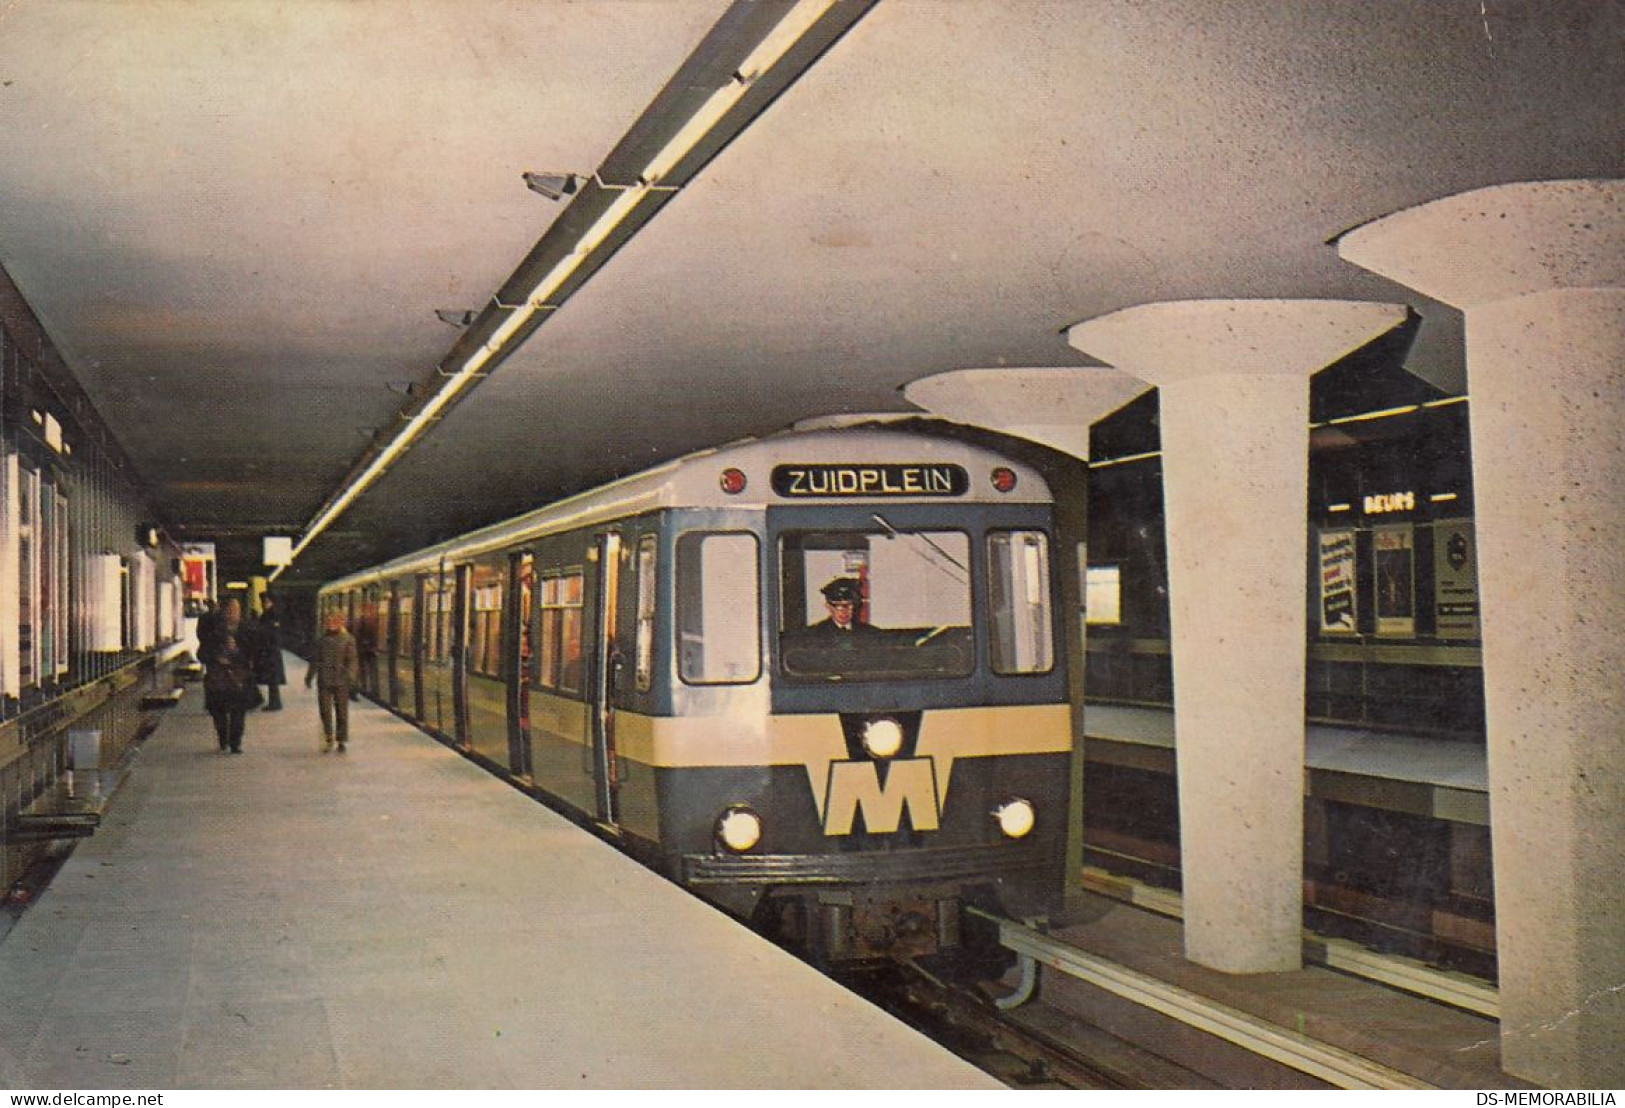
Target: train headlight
[1015, 817]
[739, 828]
[882, 737]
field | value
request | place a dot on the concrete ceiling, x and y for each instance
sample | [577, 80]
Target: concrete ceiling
[237, 219]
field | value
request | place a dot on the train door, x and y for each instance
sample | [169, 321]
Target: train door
[457, 670]
[433, 644]
[605, 665]
[518, 660]
[368, 642]
[392, 632]
[437, 652]
[420, 635]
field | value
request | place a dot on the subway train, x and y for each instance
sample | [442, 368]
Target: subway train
[816, 678]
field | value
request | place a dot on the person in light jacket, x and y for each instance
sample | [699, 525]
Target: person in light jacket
[333, 668]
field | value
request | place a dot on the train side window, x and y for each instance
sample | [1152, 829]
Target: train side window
[405, 633]
[645, 638]
[431, 618]
[543, 634]
[10, 600]
[1103, 595]
[448, 611]
[718, 609]
[570, 645]
[1018, 575]
[28, 573]
[485, 634]
[559, 647]
[548, 619]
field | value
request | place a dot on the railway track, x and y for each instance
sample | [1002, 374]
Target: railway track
[1030, 1044]
[964, 1019]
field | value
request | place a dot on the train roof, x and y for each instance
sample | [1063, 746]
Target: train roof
[867, 465]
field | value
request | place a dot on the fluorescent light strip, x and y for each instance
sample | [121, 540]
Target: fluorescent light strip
[1384, 413]
[785, 34]
[1381, 413]
[1442, 497]
[693, 131]
[767, 54]
[796, 22]
[1125, 459]
[1338, 507]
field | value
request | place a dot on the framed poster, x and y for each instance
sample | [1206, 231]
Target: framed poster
[1455, 577]
[1339, 600]
[1394, 579]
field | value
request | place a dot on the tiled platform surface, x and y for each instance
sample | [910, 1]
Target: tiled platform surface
[396, 918]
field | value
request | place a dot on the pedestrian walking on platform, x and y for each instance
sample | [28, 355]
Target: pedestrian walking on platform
[269, 670]
[228, 651]
[333, 669]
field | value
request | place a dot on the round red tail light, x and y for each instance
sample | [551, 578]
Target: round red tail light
[1004, 479]
[733, 481]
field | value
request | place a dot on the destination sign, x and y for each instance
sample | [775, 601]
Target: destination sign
[881, 479]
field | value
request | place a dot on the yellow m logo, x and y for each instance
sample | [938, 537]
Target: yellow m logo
[856, 785]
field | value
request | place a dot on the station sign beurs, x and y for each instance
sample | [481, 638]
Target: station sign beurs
[1389, 502]
[840, 479]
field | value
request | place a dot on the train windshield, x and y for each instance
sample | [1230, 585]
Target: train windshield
[875, 604]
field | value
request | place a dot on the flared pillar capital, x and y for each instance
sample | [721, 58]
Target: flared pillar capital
[1178, 339]
[1052, 406]
[1500, 243]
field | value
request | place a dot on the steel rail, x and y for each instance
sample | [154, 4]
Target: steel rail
[1333, 1065]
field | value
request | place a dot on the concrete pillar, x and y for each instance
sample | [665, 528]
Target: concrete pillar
[1233, 377]
[1055, 407]
[1539, 270]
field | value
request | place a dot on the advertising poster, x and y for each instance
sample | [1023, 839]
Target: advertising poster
[1395, 580]
[1338, 608]
[1455, 576]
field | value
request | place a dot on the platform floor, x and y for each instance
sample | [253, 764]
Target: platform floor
[394, 917]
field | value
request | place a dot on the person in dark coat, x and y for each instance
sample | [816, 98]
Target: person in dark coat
[228, 654]
[208, 622]
[268, 668]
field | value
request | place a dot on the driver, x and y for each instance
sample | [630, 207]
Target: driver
[843, 598]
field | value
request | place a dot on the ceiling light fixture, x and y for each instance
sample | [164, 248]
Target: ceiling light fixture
[767, 53]
[554, 186]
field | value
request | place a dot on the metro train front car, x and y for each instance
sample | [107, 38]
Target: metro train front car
[817, 678]
[905, 732]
